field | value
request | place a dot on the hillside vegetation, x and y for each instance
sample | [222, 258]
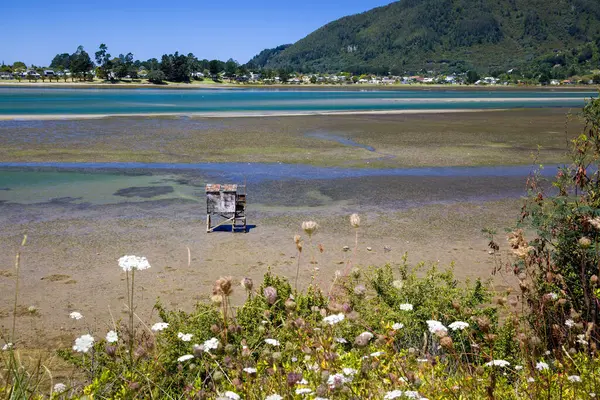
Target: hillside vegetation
[452, 35]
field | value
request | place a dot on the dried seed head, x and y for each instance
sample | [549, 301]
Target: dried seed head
[484, 323]
[355, 220]
[309, 227]
[223, 286]
[217, 299]
[594, 280]
[247, 284]
[585, 242]
[595, 222]
[446, 343]
[290, 305]
[297, 239]
[270, 294]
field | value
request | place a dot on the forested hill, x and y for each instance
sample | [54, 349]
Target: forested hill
[410, 35]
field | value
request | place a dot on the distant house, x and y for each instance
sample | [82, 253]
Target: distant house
[49, 73]
[30, 74]
[197, 75]
[388, 81]
[555, 82]
[6, 75]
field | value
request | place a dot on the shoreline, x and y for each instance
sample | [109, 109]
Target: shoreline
[325, 87]
[52, 117]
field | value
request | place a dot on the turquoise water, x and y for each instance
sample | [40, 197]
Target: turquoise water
[35, 101]
[104, 183]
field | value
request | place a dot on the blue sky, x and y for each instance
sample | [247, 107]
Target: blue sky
[35, 31]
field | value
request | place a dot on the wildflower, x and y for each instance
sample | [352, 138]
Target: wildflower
[349, 371]
[355, 220]
[341, 340]
[309, 227]
[360, 290]
[32, 309]
[211, 344]
[337, 380]
[552, 296]
[303, 391]
[377, 354]
[422, 360]
[232, 395]
[436, 326]
[185, 358]
[397, 326]
[569, 323]
[250, 370]
[497, 363]
[159, 326]
[84, 343]
[60, 388]
[595, 222]
[541, 366]
[112, 337]
[411, 394]
[394, 394]
[272, 342]
[270, 294]
[406, 307]
[129, 263]
[7, 347]
[334, 319]
[458, 325]
[518, 367]
[398, 284]
[76, 315]
[574, 378]
[303, 382]
[530, 380]
[247, 284]
[216, 298]
[274, 397]
[186, 337]
[585, 242]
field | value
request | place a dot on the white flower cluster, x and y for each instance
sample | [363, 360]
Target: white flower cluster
[185, 358]
[574, 379]
[395, 394]
[250, 370]
[541, 366]
[76, 315]
[497, 363]
[458, 325]
[303, 391]
[272, 342]
[436, 326]
[83, 343]
[112, 337]
[232, 395]
[337, 380]
[185, 337]
[406, 307]
[274, 396]
[211, 344]
[334, 319]
[129, 263]
[60, 388]
[159, 326]
[7, 347]
[397, 326]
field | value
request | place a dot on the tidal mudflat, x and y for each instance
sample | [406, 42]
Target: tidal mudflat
[80, 222]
